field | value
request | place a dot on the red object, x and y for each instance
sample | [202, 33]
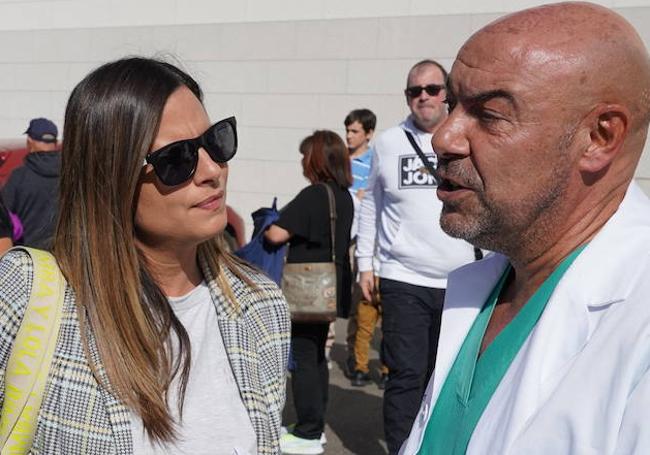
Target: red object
[12, 155]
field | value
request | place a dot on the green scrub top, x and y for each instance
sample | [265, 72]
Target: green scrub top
[470, 383]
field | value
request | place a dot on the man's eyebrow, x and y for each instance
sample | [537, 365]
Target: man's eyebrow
[481, 97]
[484, 97]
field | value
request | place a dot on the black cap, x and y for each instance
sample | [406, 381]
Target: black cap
[43, 130]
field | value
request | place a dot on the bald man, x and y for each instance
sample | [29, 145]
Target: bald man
[545, 344]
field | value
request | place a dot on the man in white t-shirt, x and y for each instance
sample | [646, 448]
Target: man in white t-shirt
[399, 217]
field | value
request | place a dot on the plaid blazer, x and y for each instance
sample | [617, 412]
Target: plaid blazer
[78, 416]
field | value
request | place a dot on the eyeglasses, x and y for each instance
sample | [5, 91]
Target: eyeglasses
[175, 163]
[431, 89]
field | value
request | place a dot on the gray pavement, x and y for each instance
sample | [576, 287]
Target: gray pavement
[354, 423]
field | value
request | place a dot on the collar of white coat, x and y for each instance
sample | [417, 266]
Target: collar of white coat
[605, 271]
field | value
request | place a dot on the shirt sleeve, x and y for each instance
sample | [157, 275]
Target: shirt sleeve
[296, 217]
[367, 229]
[356, 205]
[369, 163]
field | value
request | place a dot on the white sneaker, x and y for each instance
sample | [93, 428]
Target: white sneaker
[290, 444]
[289, 429]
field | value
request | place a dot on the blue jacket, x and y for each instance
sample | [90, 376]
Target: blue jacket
[269, 258]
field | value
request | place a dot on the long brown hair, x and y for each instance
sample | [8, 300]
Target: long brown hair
[111, 121]
[326, 158]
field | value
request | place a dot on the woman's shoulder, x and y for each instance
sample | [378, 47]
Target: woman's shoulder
[259, 278]
[311, 190]
[260, 296]
[342, 195]
[319, 190]
[260, 286]
[307, 199]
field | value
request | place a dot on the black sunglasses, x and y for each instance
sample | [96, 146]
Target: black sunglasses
[175, 163]
[416, 90]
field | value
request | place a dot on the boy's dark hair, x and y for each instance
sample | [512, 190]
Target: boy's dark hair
[364, 116]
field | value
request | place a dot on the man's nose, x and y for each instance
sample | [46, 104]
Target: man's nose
[450, 139]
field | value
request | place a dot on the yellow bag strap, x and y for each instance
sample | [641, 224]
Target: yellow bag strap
[31, 356]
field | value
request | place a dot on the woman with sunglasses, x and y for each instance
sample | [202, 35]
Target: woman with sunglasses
[305, 224]
[167, 345]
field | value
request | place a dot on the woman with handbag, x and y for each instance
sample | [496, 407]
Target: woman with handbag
[166, 343]
[306, 224]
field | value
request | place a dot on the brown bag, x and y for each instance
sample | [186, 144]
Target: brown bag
[310, 287]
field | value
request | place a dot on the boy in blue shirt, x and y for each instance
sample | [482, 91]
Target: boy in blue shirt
[359, 128]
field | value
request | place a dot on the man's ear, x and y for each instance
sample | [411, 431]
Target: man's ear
[608, 126]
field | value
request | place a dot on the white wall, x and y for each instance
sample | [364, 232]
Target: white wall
[49, 14]
[283, 67]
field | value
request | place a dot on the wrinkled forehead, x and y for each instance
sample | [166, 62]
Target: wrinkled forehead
[496, 60]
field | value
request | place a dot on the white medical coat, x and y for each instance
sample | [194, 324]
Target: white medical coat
[581, 382]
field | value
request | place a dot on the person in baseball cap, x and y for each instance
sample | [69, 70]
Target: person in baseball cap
[42, 130]
[31, 192]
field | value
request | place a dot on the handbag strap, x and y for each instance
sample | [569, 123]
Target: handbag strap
[421, 155]
[478, 254]
[31, 355]
[332, 209]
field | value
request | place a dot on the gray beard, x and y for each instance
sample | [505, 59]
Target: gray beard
[506, 228]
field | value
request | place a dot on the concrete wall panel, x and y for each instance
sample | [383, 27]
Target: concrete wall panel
[223, 105]
[200, 42]
[308, 76]
[380, 8]
[281, 111]
[282, 10]
[414, 37]
[257, 177]
[17, 46]
[378, 77]
[348, 39]
[61, 45]
[231, 77]
[270, 145]
[265, 41]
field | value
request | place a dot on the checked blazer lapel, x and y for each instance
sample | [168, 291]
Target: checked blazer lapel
[118, 414]
[241, 348]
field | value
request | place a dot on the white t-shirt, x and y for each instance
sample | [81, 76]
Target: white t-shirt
[400, 215]
[215, 420]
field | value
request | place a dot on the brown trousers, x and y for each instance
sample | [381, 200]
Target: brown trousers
[361, 329]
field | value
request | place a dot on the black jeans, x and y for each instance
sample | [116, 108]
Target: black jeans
[411, 326]
[310, 378]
